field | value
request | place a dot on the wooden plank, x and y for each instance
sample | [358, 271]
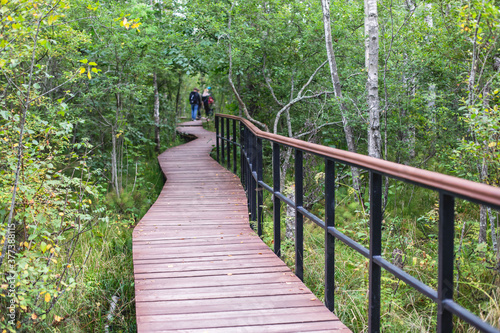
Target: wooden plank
[249, 290]
[187, 321]
[199, 266]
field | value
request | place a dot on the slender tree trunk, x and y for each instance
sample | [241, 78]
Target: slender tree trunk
[472, 74]
[230, 79]
[178, 96]
[493, 222]
[156, 112]
[114, 164]
[483, 214]
[22, 121]
[351, 144]
[290, 215]
[371, 22]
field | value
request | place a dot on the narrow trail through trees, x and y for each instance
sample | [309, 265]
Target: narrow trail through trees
[199, 266]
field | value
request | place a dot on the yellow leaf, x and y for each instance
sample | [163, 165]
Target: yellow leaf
[10, 18]
[492, 144]
[51, 19]
[88, 75]
[82, 70]
[57, 318]
[47, 297]
[34, 316]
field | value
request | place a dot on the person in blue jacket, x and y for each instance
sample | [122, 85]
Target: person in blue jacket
[195, 101]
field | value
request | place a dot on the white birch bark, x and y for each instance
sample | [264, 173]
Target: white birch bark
[351, 144]
[371, 27]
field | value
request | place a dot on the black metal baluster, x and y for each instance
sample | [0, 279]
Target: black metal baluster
[253, 183]
[445, 268]
[217, 137]
[299, 218]
[329, 239]
[228, 164]
[375, 250]
[276, 202]
[260, 190]
[234, 146]
[242, 156]
[222, 141]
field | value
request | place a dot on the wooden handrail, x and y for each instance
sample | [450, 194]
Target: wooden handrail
[477, 192]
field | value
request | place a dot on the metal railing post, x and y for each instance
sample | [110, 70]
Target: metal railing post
[329, 239]
[299, 218]
[222, 141]
[253, 183]
[276, 201]
[228, 145]
[375, 251]
[445, 266]
[217, 137]
[234, 146]
[260, 190]
[242, 156]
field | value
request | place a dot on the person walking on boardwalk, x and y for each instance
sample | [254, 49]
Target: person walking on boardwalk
[195, 101]
[208, 100]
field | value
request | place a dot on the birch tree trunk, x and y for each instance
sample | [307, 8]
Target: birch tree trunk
[351, 144]
[372, 40]
[156, 112]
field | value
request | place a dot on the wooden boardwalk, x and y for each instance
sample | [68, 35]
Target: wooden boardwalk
[198, 265]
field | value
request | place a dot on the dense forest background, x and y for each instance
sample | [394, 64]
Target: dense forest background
[91, 91]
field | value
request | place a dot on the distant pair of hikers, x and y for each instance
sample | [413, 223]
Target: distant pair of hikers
[206, 100]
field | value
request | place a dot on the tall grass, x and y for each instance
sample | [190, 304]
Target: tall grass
[410, 229]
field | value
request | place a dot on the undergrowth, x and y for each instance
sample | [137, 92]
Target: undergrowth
[410, 238]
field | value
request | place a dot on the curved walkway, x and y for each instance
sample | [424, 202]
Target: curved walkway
[198, 265]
